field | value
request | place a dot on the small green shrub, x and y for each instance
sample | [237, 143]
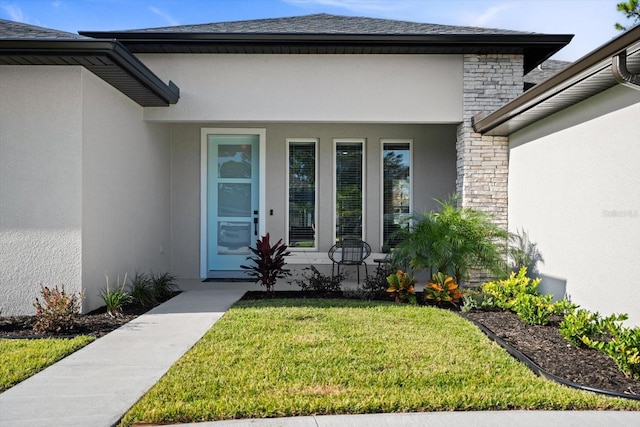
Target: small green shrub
[141, 291]
[163, 286]
[58, 310]
[115, 299]
[534, 309]
[268, 262]
[476, 300]
[624, 348]
[402, 287]
[582, 323]
[315, 281]
[373, 286]
[442, 289]
[506, 291]
[584, 328]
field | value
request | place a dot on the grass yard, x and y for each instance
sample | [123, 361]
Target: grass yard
[275, 358]
[19, 359]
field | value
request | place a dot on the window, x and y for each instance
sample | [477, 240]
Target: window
[396, 187]
[302, 199]
[349, 188]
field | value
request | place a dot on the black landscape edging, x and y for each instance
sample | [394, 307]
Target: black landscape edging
[540, 371]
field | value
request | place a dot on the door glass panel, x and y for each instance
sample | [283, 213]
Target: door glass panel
[234, 200]
[234, 238]
[234, 161]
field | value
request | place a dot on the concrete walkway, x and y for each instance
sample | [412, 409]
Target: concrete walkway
[95, 386]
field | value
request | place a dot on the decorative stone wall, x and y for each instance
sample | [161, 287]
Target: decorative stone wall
[490, 81]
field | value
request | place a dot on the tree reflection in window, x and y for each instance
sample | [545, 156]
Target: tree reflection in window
[302, 194]
[349, 168]
[396, 191]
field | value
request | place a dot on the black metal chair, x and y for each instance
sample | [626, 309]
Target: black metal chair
[350, 252]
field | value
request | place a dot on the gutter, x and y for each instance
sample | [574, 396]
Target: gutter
[88, 50]
[585, 67]
[622, 74]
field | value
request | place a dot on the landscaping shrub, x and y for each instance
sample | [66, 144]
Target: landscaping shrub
[476, 300]
[268, 262]
[506, 291]
[534, 309]
[115, 299]
[402, 287]
[315, 281]
[373, 286]
[58, 310]
[163, 286]
[442, 289]
[141, 290]
[583, 323]
[453, 241]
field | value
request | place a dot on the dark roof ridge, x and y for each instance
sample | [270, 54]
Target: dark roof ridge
[323, 23]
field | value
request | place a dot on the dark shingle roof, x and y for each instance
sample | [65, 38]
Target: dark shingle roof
[326, 24]
[18, 30]
[331, 34]
[544, 71]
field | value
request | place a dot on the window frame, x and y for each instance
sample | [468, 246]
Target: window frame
[363, 143]
[411, 156]
[316, 143]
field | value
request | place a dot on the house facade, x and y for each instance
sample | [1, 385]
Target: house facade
[574, 175]
[310, 128]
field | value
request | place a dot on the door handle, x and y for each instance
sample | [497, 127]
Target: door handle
[255, 226]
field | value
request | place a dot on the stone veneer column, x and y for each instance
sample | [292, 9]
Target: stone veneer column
[490, 81]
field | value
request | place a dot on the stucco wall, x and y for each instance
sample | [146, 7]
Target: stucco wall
[126, 189]
[574, 181]
[311, 88]
[40, 183]
[434, 160]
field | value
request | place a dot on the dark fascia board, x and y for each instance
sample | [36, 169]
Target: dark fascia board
[580, 71]
[536, 47]
[112, 50]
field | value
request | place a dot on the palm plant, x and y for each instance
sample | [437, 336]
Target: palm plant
[453, 241]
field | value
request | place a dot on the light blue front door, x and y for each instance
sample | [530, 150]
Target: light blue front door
[232, 199]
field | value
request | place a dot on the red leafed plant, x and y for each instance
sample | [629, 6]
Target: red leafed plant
[268, 262]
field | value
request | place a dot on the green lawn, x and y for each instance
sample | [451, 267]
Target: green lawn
[19, 359]
[295, 357]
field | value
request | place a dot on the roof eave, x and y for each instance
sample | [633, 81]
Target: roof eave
[536, 47]
[82, 51]
[580, 71]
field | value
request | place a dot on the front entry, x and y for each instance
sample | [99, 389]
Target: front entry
[232, 193]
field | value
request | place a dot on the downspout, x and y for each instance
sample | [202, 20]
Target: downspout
[622, 74]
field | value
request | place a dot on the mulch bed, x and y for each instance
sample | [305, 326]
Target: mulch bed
[542, 344]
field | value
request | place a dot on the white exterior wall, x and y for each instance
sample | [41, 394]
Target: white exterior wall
[574, 185]
[126, 172]
[311, 88]
[40, 183]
